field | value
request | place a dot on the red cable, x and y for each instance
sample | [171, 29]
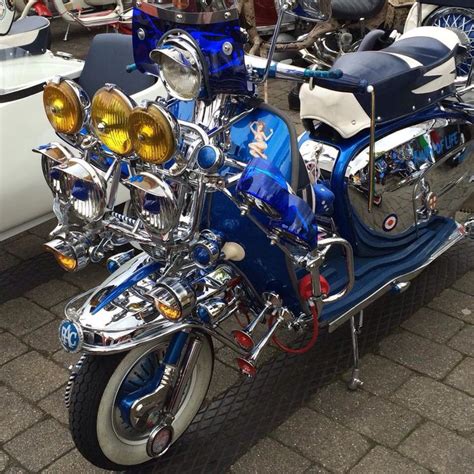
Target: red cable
[311, 342]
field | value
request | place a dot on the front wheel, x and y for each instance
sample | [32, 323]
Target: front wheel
[99, 430]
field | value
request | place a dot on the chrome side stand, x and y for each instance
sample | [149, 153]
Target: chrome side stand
[67, 32]
[356, 326]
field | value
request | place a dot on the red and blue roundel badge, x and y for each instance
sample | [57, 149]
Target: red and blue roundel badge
[390, 222]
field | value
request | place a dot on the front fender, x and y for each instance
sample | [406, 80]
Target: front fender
[116, 316]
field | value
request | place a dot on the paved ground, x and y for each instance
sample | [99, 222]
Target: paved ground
[415, 412]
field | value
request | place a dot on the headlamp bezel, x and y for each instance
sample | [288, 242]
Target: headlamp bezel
[82, 98]
[112, 88]
[182, 41]
[172, 123]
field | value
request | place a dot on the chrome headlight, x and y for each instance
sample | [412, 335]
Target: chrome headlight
[154, 132]
[66, 105]
[110, 113]
[154, 202]
[181, 69]
[82, 187]
[174, 299]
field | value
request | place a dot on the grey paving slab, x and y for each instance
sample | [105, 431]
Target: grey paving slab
[7, 260]
[462, 377]
[315, 469]
[269, 456]
[439, 449]
[463, 341]
[54, 405]
[420, 354]
[21, 316]
[33, 375]
[91, 276]
[65, 358]
[26, 247]
[433, 325]
[437, 402]
[16, 415]
[3, 461]
[322, 440]
[337, 402]
[383, 460]
[36, 447]
[72, 462]
[51, 293]
[11, 347]
[15, 470]
[381, 376]
[455, 303]
[222, 378]
[379, 419]
[465, 284]
[44, 229]
[44, 339]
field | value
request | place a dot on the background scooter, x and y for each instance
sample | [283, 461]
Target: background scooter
[456, 15]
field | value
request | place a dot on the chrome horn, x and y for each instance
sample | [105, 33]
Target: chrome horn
[244, 337]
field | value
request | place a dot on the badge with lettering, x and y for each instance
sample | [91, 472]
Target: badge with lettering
[70, 336]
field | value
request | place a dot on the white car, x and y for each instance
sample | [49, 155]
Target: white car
[26, 65]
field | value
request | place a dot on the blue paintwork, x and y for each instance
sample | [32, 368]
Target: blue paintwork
[227, 74]
[373, 272]
[140, 274]
[207, 157]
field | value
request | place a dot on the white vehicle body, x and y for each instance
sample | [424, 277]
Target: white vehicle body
[25, 200]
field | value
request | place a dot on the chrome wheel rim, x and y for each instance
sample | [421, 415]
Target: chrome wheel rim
[461, 21]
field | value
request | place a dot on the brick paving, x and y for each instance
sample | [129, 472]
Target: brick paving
[415, 412]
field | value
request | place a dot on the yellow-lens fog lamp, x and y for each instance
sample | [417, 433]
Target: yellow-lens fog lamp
[174, 299]
[110, 113]
[71, 253]
[153, 132]
[65, 104]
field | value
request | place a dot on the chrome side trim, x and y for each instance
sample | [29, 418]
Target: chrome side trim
[455, 237]
[179, 17]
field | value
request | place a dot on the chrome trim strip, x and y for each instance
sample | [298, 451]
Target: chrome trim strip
[204, 18]
[160, 332]
[455, 237]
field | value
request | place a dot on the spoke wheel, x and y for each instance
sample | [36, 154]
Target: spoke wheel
[461, 21]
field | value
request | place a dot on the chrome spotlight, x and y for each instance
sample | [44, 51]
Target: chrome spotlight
[71, 252]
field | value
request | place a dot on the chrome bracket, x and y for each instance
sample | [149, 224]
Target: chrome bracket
[142, 407]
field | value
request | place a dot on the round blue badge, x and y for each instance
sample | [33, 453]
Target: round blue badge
[70, 336]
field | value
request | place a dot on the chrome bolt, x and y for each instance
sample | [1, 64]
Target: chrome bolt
[227, 48]
[227, 15]
[179, 16]
[141, 33]
[101, 126]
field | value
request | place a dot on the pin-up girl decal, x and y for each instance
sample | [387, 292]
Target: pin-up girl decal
[259, 144]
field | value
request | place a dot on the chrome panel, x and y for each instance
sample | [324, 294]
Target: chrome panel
[420, 171]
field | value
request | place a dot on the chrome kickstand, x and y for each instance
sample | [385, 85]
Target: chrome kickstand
[67, 32]
[354, 383]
